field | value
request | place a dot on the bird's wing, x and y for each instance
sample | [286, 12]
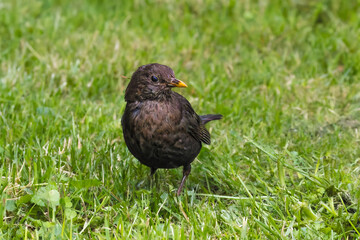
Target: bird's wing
[195, 126]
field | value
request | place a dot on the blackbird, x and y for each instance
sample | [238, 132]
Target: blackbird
[160, 127]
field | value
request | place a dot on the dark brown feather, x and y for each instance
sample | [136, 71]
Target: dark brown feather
[160, 127]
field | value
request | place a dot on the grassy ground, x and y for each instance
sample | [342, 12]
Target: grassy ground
[284, 162]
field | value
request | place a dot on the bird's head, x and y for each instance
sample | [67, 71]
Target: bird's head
[152, 81]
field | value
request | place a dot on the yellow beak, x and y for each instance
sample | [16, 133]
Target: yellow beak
[177, 83]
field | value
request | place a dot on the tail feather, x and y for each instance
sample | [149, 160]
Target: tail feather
[209, 117]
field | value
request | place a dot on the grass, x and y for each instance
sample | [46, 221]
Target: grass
[284, 162]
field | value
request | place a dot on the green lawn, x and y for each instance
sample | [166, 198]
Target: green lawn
[284, 161]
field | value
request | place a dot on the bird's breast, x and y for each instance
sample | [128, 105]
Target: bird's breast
[158, 133]
[157, 120]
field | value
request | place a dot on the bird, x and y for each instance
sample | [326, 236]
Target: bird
[160, 127]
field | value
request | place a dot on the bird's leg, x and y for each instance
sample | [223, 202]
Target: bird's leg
[153, 170]
[152, 177]
[186, 172]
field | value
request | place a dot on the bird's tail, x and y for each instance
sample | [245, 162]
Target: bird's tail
[209, 117]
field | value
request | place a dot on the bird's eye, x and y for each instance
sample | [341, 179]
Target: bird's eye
[154, 79]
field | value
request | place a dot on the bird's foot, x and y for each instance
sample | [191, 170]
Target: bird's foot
[186, 172]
